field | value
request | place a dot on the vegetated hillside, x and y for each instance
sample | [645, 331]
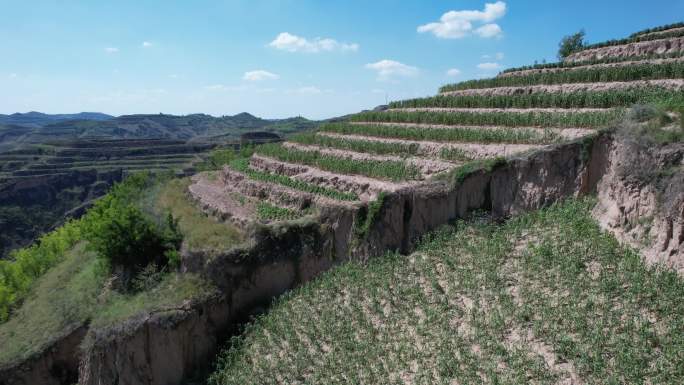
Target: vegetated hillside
[542, 297]
[48, 172]
[39, 119]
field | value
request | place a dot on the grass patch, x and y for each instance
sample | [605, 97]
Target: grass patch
[456, 134]
[269, 212]
[539, 299]
[200, 232]
[593, 119]
[392, 170]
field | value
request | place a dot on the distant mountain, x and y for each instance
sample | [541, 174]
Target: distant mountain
[39, 119]
[187, 127]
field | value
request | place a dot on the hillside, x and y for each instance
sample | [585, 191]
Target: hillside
[527, 228]
[52, 166]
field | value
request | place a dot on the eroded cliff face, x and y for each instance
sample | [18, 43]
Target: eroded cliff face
[641, 200]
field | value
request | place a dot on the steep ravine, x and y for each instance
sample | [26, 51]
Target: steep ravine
[167, 347]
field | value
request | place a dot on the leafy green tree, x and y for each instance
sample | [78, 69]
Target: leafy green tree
[571, 44]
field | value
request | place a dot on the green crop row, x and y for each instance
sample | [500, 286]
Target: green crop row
[658, 29]
[673, 70]
[584, 99]
[269, 212]
[373, 147]
[605, 60]
[242, 165]
[634, 39]
[456, 134]
[510, 119]
[393, 170]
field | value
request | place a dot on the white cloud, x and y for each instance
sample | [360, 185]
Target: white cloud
[489, 30]
[111, 50]
[496, 56]
[215, 87]
[12, 76]
[308, 90]
[146, 44]
[453, 72]
[388, 69]
[459, 24]
[292, 43]
[259, 75]
[173, 76]
[489, 66]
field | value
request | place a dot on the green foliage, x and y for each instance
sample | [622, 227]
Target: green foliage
[571, 44]
[367, 216]
[392, 170]
[372, 147]
[515, 119]
[269, 212]
[217, 159]
[454, 155]
[20, 271]
[584, 99]
[671, 70]
[242, 165]
[456, 134]
[120, 232]
[200, 232]
[458, 175]
[544, 298]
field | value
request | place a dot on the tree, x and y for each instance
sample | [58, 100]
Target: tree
[571, 44]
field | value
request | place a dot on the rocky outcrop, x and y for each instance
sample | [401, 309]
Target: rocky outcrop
[644, 48]
[641, 200]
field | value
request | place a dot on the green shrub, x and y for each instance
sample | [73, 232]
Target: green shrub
[571, 44]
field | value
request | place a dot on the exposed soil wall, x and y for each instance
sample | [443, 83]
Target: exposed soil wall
[644, 48]
[641, 200]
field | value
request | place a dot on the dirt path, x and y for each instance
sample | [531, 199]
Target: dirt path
[213, 197]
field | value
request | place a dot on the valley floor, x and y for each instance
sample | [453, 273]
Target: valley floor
[544, 298]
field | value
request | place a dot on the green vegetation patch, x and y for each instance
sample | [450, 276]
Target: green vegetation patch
[269, 212]
[200, 232]
[539, 299]
[392, 170]
[371, 147]
[507, 119]
[674, 70]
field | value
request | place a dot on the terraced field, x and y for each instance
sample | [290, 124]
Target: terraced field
[412, 142]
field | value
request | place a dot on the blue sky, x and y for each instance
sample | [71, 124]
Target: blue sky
[283, 58]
